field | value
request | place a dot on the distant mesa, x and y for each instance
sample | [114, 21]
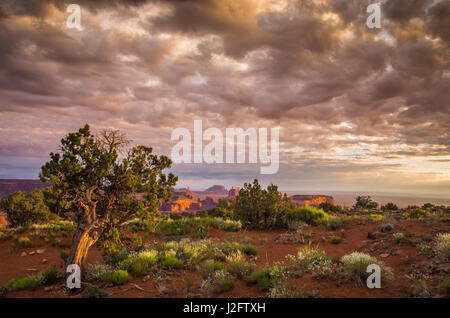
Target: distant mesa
[313, 200]
[8, 186]
[186, 200]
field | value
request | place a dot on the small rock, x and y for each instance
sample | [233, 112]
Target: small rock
[31, 270]
[23, 254]
[32, 253]
[40, 251]
[384, 255]
[44, 261]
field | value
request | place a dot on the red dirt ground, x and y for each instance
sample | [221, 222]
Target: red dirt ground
[12, 264]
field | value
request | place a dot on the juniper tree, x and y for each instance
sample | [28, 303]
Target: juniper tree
[107, 182]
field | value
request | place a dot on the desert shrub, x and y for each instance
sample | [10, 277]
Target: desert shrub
[418, 214]
[356, 265]
[171, 262]
[227, 225]
[201, 232]
[388, 227]
[20, 284]
[334, 222]
[120, 277]
[50, 276]
[389, 207]
[446, 285]
[399, 237]
[425, 249]
[266, 277]
[310, 258]
[259, 208]
[120, 256]
[249, 249]
[99, 272]
[24, 241]
[364, 203]
[310, 215]
[177, 227]
[328, 207]
[94, 292]
[209, 267]
[219, 282]
[336, 240]
[139, 263]
[238, 266]
[416, 287]
[24, 209]
[443, 245]
[285, 288]
[191, 252]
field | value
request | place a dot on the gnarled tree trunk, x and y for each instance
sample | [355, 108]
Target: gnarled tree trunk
[88, 231]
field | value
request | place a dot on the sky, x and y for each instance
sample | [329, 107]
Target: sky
[358, 109]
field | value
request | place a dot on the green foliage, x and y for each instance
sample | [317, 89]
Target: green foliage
[24, 209]
[266, 277]
[102, 172]
[257, 208]
[24, 241]
[219, 282]
[399, 237]
[20, 284]
[209, 267]
[418, 214]
[389, 207]
[171, 262]
[177, 227]
[328, 207]
[442, 246]
[49, 276]
[308, 214]
[99, 272]
[365, 203]
[120, 277]
[334, 222]
[310, 258]
[336, 240]
[356, 265]
[249, 249]
[238, 266]
[446, 285]
[201, 232]
[94, 292]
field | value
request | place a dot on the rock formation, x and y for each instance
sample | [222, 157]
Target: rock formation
[311, 199]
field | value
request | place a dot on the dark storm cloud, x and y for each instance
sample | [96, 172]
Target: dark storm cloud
[336, 88]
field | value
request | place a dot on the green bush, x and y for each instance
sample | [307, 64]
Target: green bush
[266, 277]
[446, 285]
[238, 266]
[443, 245]
[201, 232]
[219, 282]
[208, 268]
[24, 241]
[24, 209]
[94, 292]
[177, 227]
[171, 262]
[334, 222]
[49, 276]
[356, 265]
[249, 249]
[418, 214]
[120, 277]
[336, 240]
[20, 284]
[308, 214]
[99, 272]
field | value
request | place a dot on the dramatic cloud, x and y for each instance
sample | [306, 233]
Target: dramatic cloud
[357, 108]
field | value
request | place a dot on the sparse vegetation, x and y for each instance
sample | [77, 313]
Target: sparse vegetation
[356, 265]
[443, 245]
[266, 277]
[120, 277]
[219, 282]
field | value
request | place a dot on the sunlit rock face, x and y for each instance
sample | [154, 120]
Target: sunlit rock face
[233, 192]
[311, 199]
[3, 218]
